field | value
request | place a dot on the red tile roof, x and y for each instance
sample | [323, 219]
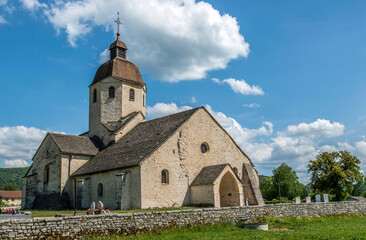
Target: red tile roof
[10, 194]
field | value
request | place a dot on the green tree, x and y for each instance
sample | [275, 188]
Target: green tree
[288, 180]
[359, 188]
[2, 204]
[334, 173]
[10, 187]
[267, 189]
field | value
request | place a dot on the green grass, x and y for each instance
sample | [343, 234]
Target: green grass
[337, 227]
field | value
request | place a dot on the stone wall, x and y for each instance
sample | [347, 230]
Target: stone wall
[130, 223]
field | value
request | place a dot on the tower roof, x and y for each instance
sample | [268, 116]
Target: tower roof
[118, 43]
[120, 69]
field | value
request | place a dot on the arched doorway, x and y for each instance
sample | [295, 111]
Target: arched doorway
[229, 193]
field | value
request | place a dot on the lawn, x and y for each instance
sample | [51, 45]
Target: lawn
[337, 227]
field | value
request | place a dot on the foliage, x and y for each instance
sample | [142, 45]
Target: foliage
[287, 179]
[334, 173]
[12, 175]
[359, 189]
[2, 204]
[9, 187]
[332, 227]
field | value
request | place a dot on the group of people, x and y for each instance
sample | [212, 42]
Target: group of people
[9, 211]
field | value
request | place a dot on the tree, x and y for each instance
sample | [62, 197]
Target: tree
[267, 189]
[359, 189]
[288, 181]
[334, 173]
[9, 187]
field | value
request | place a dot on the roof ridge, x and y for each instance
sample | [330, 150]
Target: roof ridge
[174, 114]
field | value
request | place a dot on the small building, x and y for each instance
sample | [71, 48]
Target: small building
[11, 198]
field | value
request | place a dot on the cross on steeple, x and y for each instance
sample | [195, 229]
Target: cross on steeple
[118, 23]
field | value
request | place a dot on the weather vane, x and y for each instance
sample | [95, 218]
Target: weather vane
[118, 23]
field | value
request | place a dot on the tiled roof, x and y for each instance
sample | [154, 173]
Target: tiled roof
[136, 145]
[120, 69]
[71, 144]
[208, 175]
[118, 43]
[10, 194]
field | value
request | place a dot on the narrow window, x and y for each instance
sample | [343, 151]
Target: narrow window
[46, 174]
[100, 190]
[143, 100]
[111, 92]
[165, 176]
[95, 95]
[132, 95]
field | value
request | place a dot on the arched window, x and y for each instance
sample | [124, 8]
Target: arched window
[165, 176]
[132, 95]
[100, 190]
[95, 95]
[46, 174]
[111, 92]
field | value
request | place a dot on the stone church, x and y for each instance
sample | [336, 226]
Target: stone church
[126, 162]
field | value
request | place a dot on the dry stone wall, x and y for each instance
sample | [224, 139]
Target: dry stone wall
[79, 226]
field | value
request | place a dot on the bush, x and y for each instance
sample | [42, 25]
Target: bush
[275, 201]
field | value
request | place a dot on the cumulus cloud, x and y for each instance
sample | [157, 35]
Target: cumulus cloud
[240, 86]
[164, 109]
[252, 105]
[32, 4]
[319, 128]
[171, 40]
[18, 144]
[15, 163]
[104, 56]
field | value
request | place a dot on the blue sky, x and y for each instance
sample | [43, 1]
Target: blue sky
[285, 78]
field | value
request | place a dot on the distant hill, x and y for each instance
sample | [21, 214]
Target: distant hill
[12, 175]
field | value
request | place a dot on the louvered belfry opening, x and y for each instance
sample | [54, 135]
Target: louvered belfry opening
[118, 49]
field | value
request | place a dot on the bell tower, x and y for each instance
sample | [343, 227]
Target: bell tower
[116, 95]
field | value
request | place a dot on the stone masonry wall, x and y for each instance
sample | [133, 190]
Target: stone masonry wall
[79, 226]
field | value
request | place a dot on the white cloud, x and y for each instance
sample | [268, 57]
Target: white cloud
[2, 20]
[252, 105]
[16, 163]
[163, 109]
[216, 80]
[240, 86]
[193, 100]
[3, 2]
[171, 40]
[104, 56]
[32, 4]
[319, 128]
[19, 143]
